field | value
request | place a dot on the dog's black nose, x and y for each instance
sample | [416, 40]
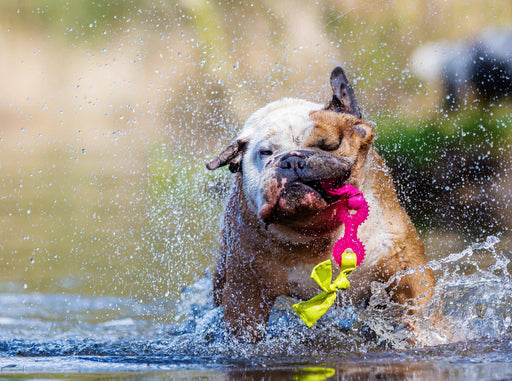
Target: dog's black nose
[292, 162]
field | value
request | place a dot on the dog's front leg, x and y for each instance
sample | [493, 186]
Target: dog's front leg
[413, 290]
[247, 305]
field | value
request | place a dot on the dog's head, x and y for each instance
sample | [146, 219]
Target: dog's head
[290, 150]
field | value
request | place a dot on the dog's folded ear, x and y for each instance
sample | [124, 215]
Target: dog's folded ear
[232, 155]
[343, 98]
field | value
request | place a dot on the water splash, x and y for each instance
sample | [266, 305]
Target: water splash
[470, 302]
[471, 299]
[467, 318]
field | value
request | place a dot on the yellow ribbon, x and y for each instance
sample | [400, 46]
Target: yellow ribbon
[311, 310]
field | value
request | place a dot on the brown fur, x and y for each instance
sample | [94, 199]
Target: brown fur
[407, 252]
[258, 262]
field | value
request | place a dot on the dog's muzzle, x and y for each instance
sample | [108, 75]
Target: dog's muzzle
[293, 185]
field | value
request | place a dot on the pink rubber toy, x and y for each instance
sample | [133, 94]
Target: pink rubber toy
[350, 199]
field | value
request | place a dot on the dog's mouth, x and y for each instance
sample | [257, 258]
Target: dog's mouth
[325, 187]
[303, 199]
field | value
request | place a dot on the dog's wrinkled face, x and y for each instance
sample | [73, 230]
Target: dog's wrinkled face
[288, 167]
[290, 152]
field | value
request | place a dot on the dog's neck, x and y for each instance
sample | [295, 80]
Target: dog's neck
[276, 239]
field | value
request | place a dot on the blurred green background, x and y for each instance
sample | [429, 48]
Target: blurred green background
[109, 110]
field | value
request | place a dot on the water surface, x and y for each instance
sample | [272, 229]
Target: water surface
[62, 335]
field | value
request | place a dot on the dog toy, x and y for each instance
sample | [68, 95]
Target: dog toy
[348, 252]
[312, 310]
[351, 199]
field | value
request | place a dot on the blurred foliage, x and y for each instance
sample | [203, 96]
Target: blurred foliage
[428, 138]
[271, 45]
[446, 169]
[151, 90]
[71, 20]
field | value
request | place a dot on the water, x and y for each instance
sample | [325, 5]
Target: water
[108, 218]
[465, 333]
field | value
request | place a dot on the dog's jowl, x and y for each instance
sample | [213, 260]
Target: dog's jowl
[279, 222]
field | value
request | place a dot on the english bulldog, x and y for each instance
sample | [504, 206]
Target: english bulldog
[279, 222]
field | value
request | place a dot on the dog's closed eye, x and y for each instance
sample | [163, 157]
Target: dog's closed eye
[329, 144]
[264, 153]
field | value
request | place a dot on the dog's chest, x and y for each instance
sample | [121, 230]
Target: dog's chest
[377, 238]
[299, 281]
[377, 233]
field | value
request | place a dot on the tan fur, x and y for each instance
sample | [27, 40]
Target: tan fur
[261, 260]
[330, 126]
[407, 251]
